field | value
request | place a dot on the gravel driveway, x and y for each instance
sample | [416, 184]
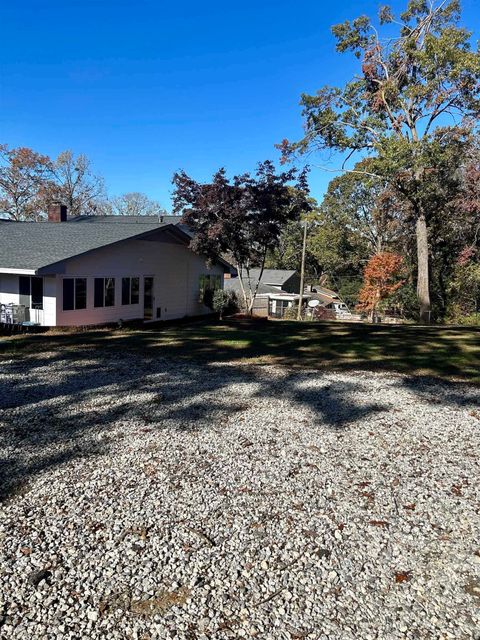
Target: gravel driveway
[150, 499]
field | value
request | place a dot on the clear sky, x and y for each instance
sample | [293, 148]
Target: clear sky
[145, 88]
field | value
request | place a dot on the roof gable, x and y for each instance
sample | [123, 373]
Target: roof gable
[38, 246]
[272, 276]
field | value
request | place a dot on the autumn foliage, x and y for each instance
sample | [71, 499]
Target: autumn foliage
[381, 277]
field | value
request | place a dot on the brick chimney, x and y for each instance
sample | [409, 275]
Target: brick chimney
[57, 212]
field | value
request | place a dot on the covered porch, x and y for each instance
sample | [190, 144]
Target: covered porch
[26, 299]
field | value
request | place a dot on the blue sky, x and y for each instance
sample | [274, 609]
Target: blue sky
[145, 88]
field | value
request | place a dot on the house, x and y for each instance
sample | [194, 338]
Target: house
[330, 300]
[282, 279]
[277, 291]
[98, 269]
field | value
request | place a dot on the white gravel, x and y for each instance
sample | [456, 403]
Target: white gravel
[149, 499]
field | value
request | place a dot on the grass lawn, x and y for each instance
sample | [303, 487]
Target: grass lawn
[444, 352]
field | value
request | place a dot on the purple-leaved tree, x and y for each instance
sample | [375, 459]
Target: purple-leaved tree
[242, 217]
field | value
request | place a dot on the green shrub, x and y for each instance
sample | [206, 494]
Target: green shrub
[224, 302]
[457, 316]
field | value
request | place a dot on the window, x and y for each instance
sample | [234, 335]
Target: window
[209, 283]
[130, 290]
[74, 293]
[104, 292]
[30, 289]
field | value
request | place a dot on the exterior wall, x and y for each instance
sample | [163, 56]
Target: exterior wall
[176, 271]
[9, 294]
[260, 306]
[292, 285]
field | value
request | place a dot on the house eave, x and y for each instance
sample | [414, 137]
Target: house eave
[21, 272]
[170, 231]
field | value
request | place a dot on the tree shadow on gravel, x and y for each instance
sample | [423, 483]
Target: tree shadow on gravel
[64, 397]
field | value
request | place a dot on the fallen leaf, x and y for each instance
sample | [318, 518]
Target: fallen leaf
[403, 576]
[379, 523]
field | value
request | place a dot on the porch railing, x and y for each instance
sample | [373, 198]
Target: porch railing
[20, 314]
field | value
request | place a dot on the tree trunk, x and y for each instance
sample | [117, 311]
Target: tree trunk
[253, 294]
[302, 272]
[242, 286]
[423, 286]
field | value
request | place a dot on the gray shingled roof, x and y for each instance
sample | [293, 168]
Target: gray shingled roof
[233, 284]
[36, 245]
[127, 219]
[273, 276]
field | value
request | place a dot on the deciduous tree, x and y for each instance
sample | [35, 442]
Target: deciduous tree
[135, 204]
[243, 217]
[24, 175]
[382, 278]
[76, 185]
[408, 86]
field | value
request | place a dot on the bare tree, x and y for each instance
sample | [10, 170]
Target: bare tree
[76, 185]
[135, 204]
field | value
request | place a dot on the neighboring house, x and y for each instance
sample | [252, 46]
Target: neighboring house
[100, 269]
[277, 291]
[330, 300]
[285, 279]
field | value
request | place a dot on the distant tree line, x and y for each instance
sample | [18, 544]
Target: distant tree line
[412, 115]
[29, 181]
[399, 225]
[412, 197]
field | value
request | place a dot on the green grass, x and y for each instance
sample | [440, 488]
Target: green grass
[444, 352]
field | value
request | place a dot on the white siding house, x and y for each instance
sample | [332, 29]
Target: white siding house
[90, 271]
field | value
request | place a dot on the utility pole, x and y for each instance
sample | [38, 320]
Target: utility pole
[302, 272]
